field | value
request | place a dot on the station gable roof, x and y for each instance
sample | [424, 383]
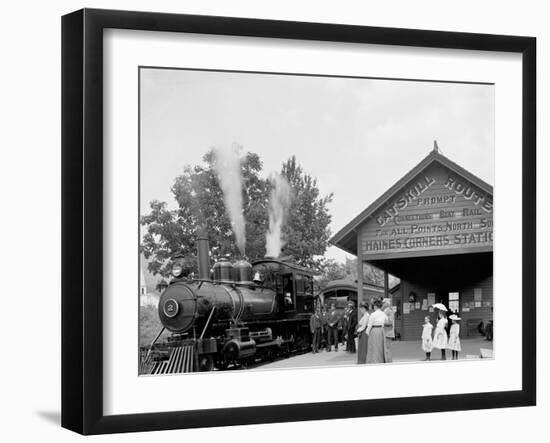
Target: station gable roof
[346, 238]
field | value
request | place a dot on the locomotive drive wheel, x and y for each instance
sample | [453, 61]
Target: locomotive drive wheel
[206, 363]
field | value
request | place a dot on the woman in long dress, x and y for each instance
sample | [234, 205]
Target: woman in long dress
[376, 350]
[440, 334]
[389, 327]
[362, 334]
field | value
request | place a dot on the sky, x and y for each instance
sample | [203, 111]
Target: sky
[356, 136]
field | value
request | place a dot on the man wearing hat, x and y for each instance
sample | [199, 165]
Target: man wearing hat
[316, 328]
[351, 326]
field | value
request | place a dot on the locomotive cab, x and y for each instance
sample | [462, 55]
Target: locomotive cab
[292, 284]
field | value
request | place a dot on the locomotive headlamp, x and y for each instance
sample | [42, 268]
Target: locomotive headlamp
[178, 265]
[177, 270]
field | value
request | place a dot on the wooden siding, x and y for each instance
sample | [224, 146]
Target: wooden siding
[438, 212]
[410, 325]
[482, 313]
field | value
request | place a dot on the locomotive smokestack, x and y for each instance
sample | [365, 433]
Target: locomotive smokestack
[203, 250]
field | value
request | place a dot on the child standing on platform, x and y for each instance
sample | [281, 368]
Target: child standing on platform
[440, 335]
[427, 343]
[454, 338]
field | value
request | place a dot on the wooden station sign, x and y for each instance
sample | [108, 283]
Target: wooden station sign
[437, 212]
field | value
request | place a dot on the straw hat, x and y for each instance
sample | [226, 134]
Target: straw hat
[454, 317]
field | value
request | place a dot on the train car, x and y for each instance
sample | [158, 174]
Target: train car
[232, 315]
[341, 291]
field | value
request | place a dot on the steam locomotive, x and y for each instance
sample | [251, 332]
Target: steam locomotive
[231, 315]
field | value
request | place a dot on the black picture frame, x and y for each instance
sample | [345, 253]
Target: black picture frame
[82, 220]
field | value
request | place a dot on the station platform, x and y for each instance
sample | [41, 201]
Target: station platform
[402, 351]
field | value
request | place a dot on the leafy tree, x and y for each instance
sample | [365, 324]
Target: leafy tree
[200, 204]
[166, 234]
[307, 229]
[331, 270]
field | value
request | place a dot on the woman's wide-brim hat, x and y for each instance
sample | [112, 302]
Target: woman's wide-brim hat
[440, 306]
[454, 317]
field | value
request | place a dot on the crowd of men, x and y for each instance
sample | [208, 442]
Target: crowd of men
[329, 328]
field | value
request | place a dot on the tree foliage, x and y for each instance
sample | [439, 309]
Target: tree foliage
[331, 270]
[307, 231]
[200, 203]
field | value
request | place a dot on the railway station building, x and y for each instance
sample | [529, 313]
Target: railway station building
[434, 230]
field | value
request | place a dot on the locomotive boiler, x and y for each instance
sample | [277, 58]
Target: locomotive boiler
[231, 315]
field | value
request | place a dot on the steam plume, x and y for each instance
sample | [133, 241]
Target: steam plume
[227, 165]
[279, 202]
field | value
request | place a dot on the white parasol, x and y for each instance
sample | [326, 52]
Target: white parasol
[440, 306]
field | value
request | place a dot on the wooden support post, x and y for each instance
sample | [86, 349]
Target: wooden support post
[359, 281]
[359, 272]
[386, 285]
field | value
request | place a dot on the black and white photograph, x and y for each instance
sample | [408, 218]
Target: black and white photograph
[276, 221]
[297, 220]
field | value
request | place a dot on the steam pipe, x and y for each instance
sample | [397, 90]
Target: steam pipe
[203, 258]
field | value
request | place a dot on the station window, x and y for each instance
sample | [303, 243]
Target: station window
[454, 301]
[299, 284]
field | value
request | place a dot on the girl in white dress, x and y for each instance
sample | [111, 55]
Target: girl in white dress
[440, 334]
[454, 338]
[427, 343]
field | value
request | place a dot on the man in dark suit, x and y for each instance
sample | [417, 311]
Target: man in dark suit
[351, 327]
[324, 328]
[316, 328]
[333, 320]
[344, 324]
